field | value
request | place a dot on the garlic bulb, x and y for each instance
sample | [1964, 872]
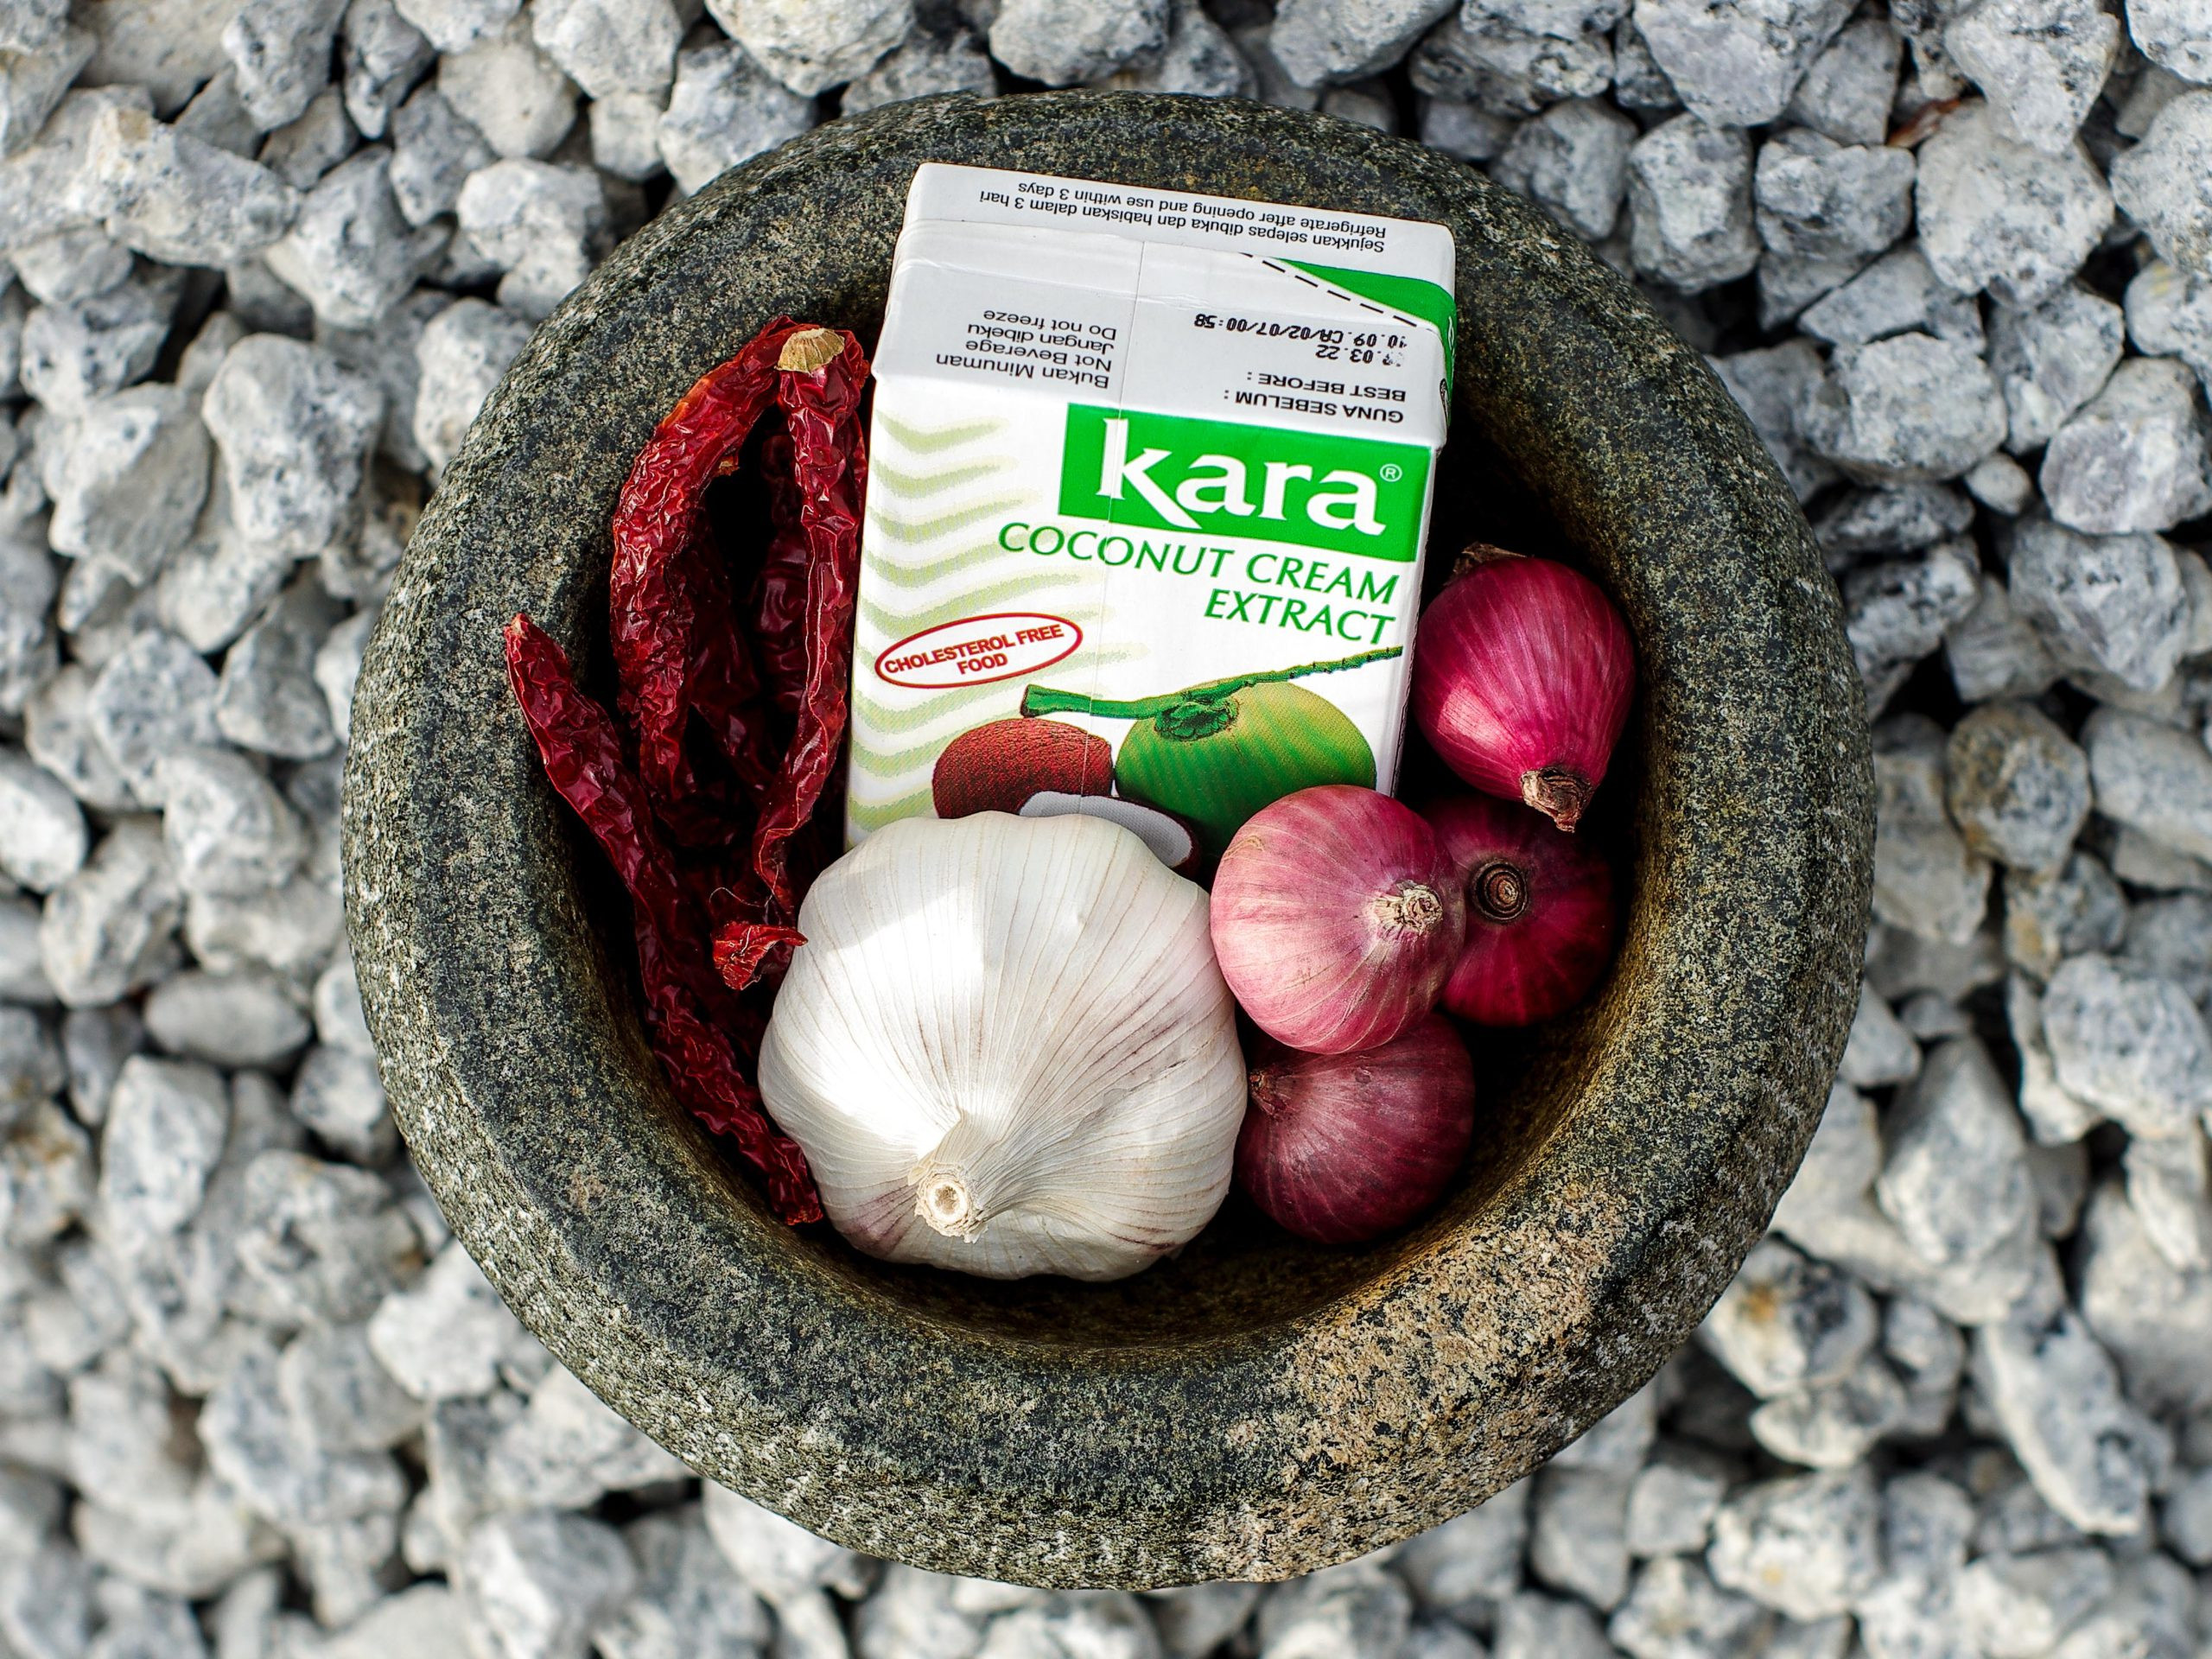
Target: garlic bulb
[1006, 1048]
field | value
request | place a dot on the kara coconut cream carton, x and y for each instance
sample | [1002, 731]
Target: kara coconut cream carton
[1149, 482]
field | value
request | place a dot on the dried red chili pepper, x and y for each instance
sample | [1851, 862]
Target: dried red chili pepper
[742, 948]
[779, 589]
[583, 755]
[654, 589]
[724, 683]
[824, 373]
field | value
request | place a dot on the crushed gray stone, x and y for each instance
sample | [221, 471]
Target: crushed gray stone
[1904, 408]
[1689, 199]
[2002, 216]
[511, 91]
[610, 49]
[812, 45]
[178, 199]
[1321, 42]
[1063, 42]
[2052, 359]
[1737, 66]
[352, 252]
[2040, 63]
[293, 426]
[542, 224]
[2136, 456]
[2161, 183]
[725, 108]
[1574, 158]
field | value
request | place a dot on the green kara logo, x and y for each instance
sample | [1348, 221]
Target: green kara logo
[1314, 489]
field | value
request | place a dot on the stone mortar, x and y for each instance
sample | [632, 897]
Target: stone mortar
[1257, 1409]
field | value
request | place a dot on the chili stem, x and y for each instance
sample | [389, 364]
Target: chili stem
[1043, 700]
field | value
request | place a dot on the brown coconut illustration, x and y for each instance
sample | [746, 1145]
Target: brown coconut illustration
[997, 767]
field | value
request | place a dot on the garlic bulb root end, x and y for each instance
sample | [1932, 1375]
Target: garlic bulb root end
[943, 1199]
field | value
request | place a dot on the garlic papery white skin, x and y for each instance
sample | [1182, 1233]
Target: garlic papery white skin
[1006, 1049]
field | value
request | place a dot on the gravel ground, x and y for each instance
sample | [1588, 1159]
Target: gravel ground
[267, 261]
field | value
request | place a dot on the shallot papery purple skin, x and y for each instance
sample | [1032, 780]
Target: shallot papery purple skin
[1522, 676]
[1336, 920]
[1342, 1147]
[1540, 919]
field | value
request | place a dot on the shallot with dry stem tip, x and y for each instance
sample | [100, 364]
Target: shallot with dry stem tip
[1342, 1147]
[1523, 674]
[1540, 921]
[1336, 918]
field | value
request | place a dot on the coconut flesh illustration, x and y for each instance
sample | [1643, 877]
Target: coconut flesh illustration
[1216, 753]
[1049, 769]
[997, 766]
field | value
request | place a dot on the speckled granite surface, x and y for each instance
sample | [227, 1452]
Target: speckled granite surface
[1253, 1409]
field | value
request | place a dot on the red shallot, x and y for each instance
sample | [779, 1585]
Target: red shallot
[1342, 1147]
[1336, 920]
[1522, 673]
[1539, 911]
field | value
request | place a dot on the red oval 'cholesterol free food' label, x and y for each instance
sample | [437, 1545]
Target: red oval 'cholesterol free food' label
[976, 650]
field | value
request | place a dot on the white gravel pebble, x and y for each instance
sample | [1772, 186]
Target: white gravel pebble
[453, 26]
[352, 252]
[166, 1122]
[2041, 63]
[434, 149]
[2165, 183]
[293, 425]
[1911, 406]
[2133, 1045]
[154, 696]
[131, 479]
[2136, 456]
[2003, 216]
[725, 108]
[1318, 41]
[544, 226]
[1805, 1546]
[1063, 42]
[176, 199]
[812, 45]
[2052, 359]
[280, 52]
[511, 91]
[380, 56]
[227, 1020]
[608, 48]
[1995, 653]
[2152, 778]
[2113, 604]
[1737, 66]
[2175, 34]
[1689, 197]
[1574, 158]
[464, 350]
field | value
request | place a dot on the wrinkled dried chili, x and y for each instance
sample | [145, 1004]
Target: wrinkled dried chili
[680, 649]
[659, 578]
[778, 596]
[583, 755]
[819, 391]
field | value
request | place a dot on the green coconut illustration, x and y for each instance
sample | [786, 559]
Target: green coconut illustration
[1216, 754]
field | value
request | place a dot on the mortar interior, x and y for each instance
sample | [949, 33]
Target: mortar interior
[1242, 1274]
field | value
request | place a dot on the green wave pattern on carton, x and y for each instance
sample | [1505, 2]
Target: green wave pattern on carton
[918, 581]
[918, 487]
[871, 816]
